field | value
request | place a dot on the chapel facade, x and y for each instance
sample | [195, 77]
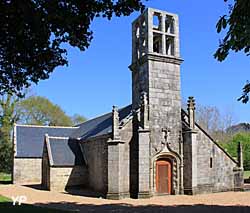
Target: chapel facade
[151, 147]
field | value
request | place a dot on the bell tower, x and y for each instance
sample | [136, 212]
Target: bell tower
[156, 71]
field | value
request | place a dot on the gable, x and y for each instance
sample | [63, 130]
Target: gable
[185, 127]
[64, 151]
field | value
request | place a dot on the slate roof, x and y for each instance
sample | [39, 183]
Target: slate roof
[30, 139]
[65, 152]
[101, 125]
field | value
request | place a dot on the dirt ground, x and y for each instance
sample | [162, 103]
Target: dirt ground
[219, 202]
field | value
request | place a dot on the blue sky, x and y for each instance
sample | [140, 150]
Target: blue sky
[99, 77]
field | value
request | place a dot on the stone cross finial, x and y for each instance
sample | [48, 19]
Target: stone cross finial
[191, 112]
[115, 123]
[191, 103]
[144, 110]
[166, 133]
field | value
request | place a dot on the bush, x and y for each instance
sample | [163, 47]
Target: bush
[5, 156]
[232, 144]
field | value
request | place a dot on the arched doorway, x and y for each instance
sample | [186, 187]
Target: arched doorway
[163, 176]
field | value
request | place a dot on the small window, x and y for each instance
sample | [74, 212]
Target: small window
[211, 162]
[170, 45]
[169, 24]
[157, 43]
[157, 21]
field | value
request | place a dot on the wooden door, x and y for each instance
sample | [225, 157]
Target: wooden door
[163, 176]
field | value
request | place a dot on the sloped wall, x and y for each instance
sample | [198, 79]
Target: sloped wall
[215, 169]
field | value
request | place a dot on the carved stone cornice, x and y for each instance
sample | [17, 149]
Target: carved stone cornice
[156, 57]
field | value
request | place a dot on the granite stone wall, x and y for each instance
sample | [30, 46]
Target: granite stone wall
[215, 169]
[96, 154]
[164, 103]
[190, 162]
[27, 171]
[63, 177]
[208, 167]
[126, 134]
[45, 169]
[156, 71]
[159, 77]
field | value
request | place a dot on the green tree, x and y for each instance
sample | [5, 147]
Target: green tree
[5, 155]
[8, 117]
[32, 33]
[237, 37]
[231, 147]
[77, 119]
[39, 110]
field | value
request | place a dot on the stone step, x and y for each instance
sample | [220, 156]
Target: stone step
[247, 187]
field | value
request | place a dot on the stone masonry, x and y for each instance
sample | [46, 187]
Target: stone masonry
[156, 71]
[27, 171]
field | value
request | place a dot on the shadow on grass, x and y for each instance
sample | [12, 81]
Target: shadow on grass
[81, 191]
[120, 207]
[125, 208]
[5, 178]
[9, 208]
[5, 182]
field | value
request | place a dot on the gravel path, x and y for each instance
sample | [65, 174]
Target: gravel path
[219, 202]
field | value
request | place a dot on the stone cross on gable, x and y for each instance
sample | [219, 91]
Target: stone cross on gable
[166, 133]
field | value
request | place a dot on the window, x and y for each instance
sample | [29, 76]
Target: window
[211, 163]
[157, 21]
[157, 42]
[169, 24]
[170, 45]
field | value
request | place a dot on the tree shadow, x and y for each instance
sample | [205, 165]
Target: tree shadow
[5, 182]
[76, 190]
[27, 208]
[126, 208]
[72, 190]
[35, 186]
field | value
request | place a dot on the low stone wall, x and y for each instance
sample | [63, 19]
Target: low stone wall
[27, 171]
[62, 177]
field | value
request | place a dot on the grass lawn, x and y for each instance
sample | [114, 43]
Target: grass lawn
[7, 206]
[246, 174]
[4, 199]
[4, 177]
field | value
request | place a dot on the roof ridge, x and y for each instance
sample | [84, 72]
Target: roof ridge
[104, 114]
[55, 137]
[41, 126]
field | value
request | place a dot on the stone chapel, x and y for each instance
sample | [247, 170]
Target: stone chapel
[151, 147]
